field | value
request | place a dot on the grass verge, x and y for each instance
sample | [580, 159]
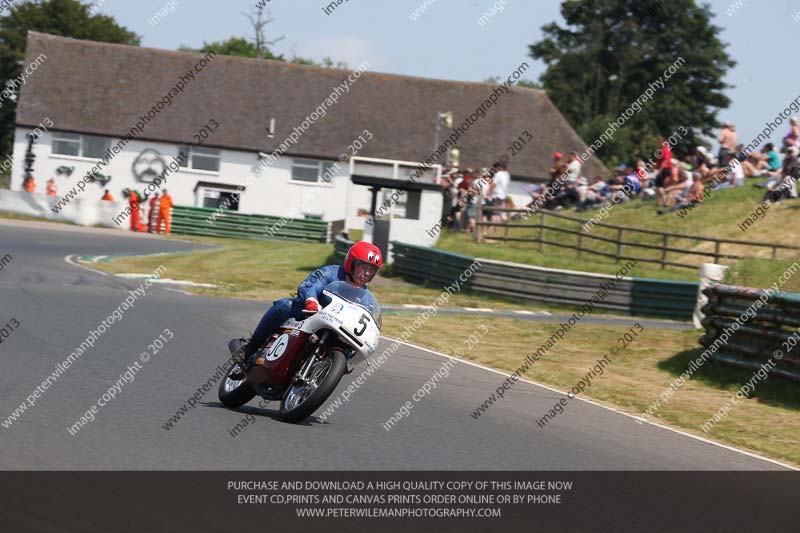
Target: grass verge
[766, 423]
[719, 217]
[267, 270]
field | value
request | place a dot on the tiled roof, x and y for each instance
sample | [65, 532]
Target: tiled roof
[101, 88]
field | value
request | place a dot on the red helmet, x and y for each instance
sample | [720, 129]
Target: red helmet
[362, 251]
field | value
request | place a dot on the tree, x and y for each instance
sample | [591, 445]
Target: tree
[235, 46]
[258, 47]
[497, 80]
[608, 54]
[68, 18]
[258, 22]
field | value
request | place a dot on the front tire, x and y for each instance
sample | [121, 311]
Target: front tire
[233, 392]
[300, 401]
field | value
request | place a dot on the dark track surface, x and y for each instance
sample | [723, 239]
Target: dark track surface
[57, 304]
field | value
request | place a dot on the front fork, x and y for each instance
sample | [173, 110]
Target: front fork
[312, 360]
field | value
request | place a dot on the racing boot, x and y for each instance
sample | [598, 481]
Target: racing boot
[246, 350]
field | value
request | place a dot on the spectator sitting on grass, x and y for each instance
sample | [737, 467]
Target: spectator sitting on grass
[729, 175]
[757, 165]
[786, 186]
[692, 197]
[626, 185]
[789, 163]
[595, 194]
[675, 184]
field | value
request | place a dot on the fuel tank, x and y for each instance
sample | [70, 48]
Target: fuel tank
[274, 362]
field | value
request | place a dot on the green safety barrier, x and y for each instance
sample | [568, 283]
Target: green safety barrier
[231, 224]
[765, 335]
[634, 296]
[427, 266]
[340, 247]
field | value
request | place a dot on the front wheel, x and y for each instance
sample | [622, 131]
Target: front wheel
[301, 400]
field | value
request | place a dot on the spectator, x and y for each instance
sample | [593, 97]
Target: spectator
[151, 215]
[766, 162]
[450, 185]
[703, 158]
[664, 167]
[559, 167]
[52, 189]
[596, 193]
[498, 190]
[675, 184]
[786, 186]
[793, 137]
[29, 184]
[728, 139]
[568, 193]
[573, 168]
[693, 196]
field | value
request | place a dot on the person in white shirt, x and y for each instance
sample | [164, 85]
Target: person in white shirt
[573, 168]
[498, 190]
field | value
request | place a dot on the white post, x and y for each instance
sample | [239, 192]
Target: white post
[710, 274]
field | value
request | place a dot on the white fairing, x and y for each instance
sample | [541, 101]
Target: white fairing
[351, 322]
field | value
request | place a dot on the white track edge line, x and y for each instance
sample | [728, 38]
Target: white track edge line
[69, 260]
[674, 430]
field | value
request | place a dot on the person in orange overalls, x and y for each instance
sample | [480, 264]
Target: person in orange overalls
[136, 223]
[164, 212]
[151, 216]
[29, 184]
[107, 196]
[52, 189]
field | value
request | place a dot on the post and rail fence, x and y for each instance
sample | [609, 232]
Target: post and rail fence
[665, 242]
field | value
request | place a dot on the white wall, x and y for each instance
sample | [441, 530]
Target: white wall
[271, 193]
[83, 211]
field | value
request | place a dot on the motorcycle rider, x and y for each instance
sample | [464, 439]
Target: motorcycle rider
[360, 265]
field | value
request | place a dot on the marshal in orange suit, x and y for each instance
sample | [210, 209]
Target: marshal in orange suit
[164, 212]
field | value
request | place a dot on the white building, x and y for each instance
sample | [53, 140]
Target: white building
[276, 131]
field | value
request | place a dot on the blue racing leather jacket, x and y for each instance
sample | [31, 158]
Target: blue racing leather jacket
[312, 286]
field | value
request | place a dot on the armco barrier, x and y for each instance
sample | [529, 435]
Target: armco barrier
[420, 264]
[340, 247]
[636, 296]
[754, 342]
[84, 211]
[203, 221]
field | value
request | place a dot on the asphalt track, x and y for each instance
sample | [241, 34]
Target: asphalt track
[57, 304]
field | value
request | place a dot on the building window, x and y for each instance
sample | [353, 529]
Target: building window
[310, 170]
[78, 145]
[199, 158]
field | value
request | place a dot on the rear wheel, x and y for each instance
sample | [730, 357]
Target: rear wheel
[302, 399]
[235, 392]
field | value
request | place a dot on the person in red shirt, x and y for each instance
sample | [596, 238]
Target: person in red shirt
[52, 190]
[664, 166]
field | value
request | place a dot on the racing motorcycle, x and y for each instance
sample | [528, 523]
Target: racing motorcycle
[303, 362]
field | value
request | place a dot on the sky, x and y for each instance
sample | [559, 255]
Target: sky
[447, 41]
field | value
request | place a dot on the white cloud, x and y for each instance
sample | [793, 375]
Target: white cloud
[351, 50]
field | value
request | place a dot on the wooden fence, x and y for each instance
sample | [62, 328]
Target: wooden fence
[664, 242]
